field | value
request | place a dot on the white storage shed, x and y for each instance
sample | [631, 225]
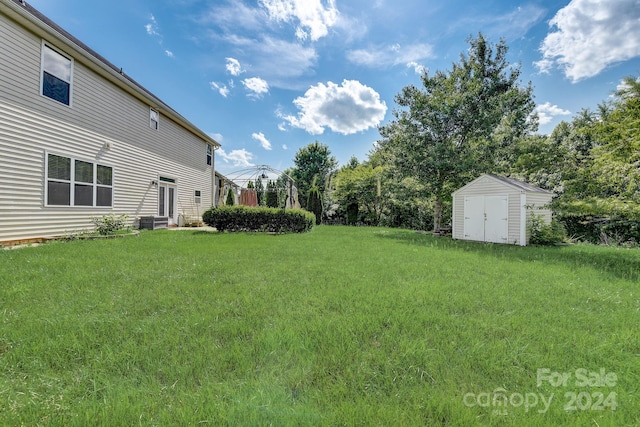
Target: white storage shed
[497, 209]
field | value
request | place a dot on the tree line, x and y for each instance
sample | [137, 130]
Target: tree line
[478, 117]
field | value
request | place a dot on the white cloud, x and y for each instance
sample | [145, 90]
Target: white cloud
[233, 16]
[349, 108]
[233, 67]
[546, 112]
[255, 37]
[511, 25]
[153, 30]
[278, 60]
[312, 17]
[284, 147]
[238, 158]
[264, 142]
[590, 35]
[256, 86]
[222, 89]
[391, 55]
[417, 68]
[152, 27]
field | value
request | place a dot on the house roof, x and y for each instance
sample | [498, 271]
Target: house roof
[514, 183]
[35, 21]
[225, 179]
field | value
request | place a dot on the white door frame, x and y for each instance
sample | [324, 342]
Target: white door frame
[168, 201]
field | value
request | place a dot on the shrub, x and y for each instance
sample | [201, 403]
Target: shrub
[244, 218]
[110, 224]
[545, 234]
[603, 230]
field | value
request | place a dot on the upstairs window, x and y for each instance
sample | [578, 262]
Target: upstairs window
[209, 154]
[57, 73]
[154, 119]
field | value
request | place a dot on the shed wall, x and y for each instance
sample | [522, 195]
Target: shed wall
[538, 204]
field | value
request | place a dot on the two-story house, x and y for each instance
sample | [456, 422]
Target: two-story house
[80, 139]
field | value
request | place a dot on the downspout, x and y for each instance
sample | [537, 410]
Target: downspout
[213, 176]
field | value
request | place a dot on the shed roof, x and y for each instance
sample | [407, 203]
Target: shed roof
[512, 182]
[520, 184]
[32, 18]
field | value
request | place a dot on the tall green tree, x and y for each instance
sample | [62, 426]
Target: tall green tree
[272, 194]
[314, 203]
[230, 198]
[312, 162]
[460, 123]
[358, 189]
[259, 186]
[609, 182]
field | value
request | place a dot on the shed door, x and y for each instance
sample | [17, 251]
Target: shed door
[474, 218]
[486, 218]
[496, 226]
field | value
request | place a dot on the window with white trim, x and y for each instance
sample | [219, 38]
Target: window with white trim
[154, 119]
[57, 75]
[75, 182]
[197, 197]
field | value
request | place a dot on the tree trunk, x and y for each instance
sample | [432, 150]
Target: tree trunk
[437, 215]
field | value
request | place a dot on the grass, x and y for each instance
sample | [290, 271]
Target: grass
[340, 326]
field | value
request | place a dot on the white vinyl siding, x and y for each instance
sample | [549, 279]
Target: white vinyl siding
[105, 126]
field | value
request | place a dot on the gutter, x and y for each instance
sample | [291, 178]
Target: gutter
[30, 18]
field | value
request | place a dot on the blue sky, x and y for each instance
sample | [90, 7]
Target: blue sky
[266, 77]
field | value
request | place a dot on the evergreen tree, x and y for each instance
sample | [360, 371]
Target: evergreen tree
[272, 195]
[314, 203]
[230, 198]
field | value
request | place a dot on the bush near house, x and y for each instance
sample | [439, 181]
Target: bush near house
[110, 224]
[243, 218]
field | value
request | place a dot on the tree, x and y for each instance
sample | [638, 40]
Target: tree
[630, 88]
[230, 198]
[314, 203]
[358, 189]
[259, 186]
[312, 162]
[272, 194]
[461, 123]
[609, 183]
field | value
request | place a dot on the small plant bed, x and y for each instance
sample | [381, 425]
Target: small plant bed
[107, 227]
[95, 235]
[270, 220]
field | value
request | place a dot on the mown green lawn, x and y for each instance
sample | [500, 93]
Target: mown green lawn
[340, 326]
